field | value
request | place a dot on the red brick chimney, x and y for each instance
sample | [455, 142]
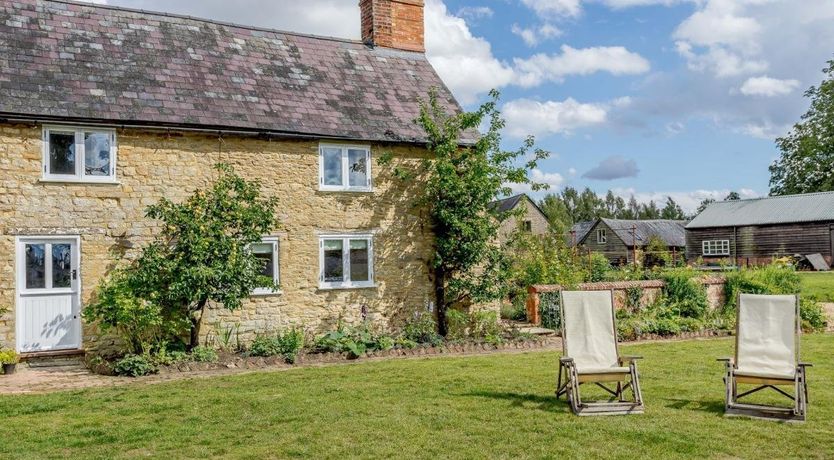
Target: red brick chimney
[393, 24]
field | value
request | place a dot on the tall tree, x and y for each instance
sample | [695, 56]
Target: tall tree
[649, 211]
[672, 210]
[556, 212]
[461, 183]
[632, 209]
[807, 152]
[732, 196]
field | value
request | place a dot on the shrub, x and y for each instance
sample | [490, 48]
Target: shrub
[287, 344]
[600, 268]
[457, 323]
[203, 355]
[686, 293]
[542, 259]
[549, 310]
[135, 366]
[422, 328]
[483, 325]
[9, 356]
[812, 315]
[516, 311]
[165, 357]
[771, 279]
[356, 341]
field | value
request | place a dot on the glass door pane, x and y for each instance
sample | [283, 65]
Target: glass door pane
[61, 265]
[35, 266]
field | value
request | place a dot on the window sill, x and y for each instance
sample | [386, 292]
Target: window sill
[346, 190]
[347, 286]
[47, 180]
[266, 292]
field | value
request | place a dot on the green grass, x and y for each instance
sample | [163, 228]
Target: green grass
[819, 285]
[498, 406]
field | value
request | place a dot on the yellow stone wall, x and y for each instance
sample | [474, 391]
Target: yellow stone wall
[539, 223]
[151, 164]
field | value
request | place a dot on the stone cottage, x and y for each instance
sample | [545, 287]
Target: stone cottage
[527, 217]
[104, 110]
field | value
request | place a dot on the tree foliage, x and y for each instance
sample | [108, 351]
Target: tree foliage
[201, 255]
[462, 182]
[807, 152]
[570, 206]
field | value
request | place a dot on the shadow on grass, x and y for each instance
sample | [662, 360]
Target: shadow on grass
[714, 407]
[545, 403]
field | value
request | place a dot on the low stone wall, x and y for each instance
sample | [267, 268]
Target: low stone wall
[714, 285]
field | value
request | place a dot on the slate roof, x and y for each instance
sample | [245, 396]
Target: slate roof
[510, 203]
[787, 209]
[579, 230]
[672, 232]
[97, 63]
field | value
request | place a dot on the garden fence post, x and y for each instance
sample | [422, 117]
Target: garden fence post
[533, 302]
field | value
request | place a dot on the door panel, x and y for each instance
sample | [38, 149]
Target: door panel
[48, 294]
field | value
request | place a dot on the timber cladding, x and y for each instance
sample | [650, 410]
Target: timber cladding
[757, 244]
[109, 220]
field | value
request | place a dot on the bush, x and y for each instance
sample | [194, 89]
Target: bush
[203, 355]
[9, 356]
[457, 323]
[516, 311]
[143, 325]
[775, 278]
[812, 315]
[600, 267]
[288, 345]
[483, 325]
[356, 341]
[422, 328]
[686, 293]
[135, 366]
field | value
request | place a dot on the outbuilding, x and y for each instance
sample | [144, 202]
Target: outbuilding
[755, 231]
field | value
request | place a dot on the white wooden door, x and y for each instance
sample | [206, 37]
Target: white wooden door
[48, 294]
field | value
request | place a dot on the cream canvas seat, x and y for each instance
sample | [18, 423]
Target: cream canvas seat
[590, 355]
[767, 355]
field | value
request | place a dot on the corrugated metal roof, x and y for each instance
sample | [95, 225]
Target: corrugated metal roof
[670, 231]
[810, 207]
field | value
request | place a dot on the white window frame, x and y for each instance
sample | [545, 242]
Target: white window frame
[276, 267]
[347, 284]
[602, 236]
[345, 187]
[715, 247]
[80, 155]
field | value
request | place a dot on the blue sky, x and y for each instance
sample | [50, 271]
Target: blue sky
[650, 97]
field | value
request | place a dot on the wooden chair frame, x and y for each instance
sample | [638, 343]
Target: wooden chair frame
[734, 408]
[569, 379]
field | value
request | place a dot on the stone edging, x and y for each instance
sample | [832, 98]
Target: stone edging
[312, 359]
[608, 285]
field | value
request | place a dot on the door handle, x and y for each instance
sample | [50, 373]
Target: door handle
[75, 274]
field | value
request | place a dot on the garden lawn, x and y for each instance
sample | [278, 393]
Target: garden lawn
[499, 405]
[819, 285]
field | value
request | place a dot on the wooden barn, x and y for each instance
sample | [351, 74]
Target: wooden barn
[618, 239]
[753, 232]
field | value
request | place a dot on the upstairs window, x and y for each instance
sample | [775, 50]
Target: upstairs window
[346, 261]
[716, 248]
[602, 236]
[79, 155]
[344, 168]
[527, 226]
[267, 253]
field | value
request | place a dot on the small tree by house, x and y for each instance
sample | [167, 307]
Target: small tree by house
[201, 255]
[462, 181]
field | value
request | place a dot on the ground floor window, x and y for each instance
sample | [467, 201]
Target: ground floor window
[267, 253]
[346, 261]
[716, 247]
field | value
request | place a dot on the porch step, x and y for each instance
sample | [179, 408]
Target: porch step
[68, 358]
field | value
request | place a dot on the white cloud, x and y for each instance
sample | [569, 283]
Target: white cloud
[612, 168]
[464, 62]
[616, 60]
[532, 36]
[552, 180]
[554, 8]
[688, 200]
[528, 117]
[768, 87]
[619, 4]
[475, 12]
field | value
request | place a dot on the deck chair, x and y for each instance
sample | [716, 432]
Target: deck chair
[767, 355]
[590, 355]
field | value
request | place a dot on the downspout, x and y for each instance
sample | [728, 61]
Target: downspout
[735, 245]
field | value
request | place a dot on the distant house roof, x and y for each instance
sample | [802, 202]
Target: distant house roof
[579, 230]
[811, 207]
[508, 204]
[67, 61]
[672, 232]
